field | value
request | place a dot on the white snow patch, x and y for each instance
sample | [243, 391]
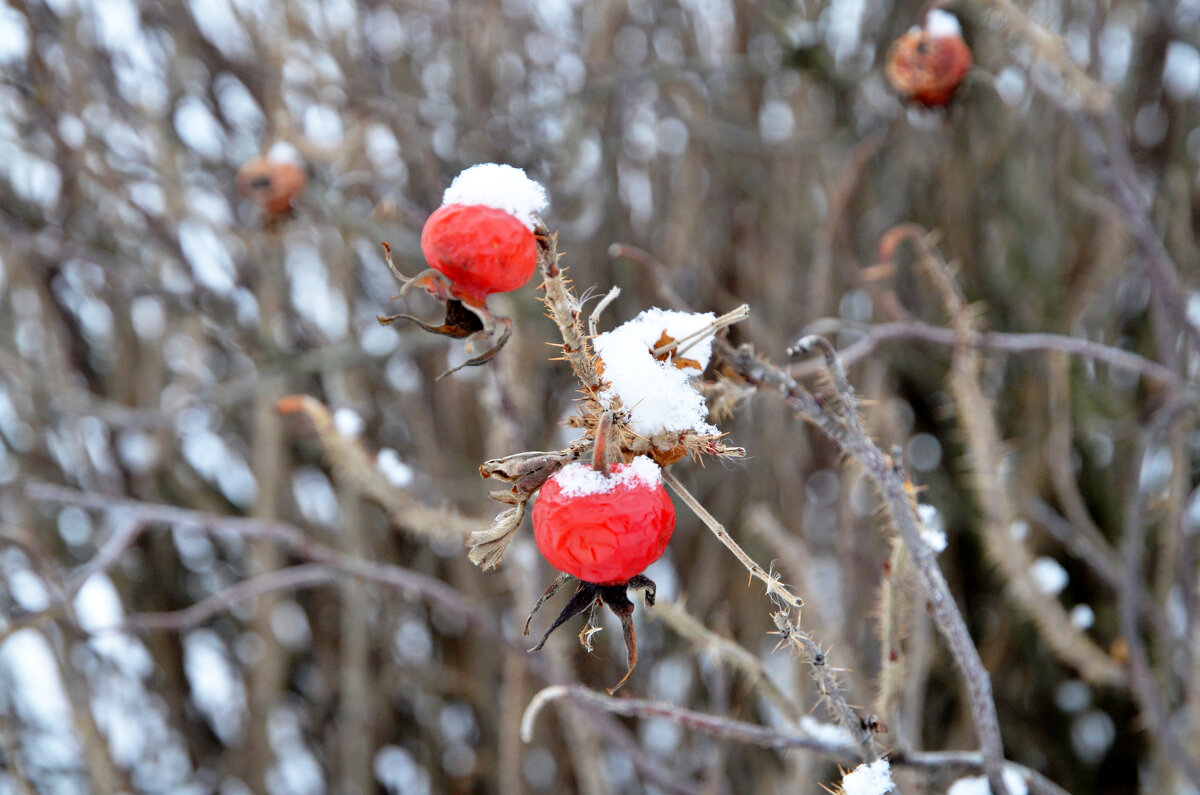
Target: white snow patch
[1048, 575]
[285, 152]
[97, 605]
[211, 264]
[942, 23]
[14, 36]
[28, 590]
[199, 129]
[658, 395]
[216, 684]
[1083, 616]
[397, 472]
[978, 785]
[869, 779]
[931, 527]
[580, 480]
[502, 187]
[34, 683]
[348, 423]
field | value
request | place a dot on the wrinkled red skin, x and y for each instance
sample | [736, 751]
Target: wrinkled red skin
[481, 250]
[603, 539]
[928, 69]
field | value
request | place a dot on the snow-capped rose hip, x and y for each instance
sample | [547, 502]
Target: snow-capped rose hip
[927, 64]
[479, 249]
[604, 530]
[480, 241]
[603, 527]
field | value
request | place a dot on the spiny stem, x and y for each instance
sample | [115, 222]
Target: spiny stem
[774, 587]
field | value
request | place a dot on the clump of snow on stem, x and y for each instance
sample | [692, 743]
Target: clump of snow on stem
[501, 187]
[581, 480]
[932, 532]
[869, 779]
[658, 395]
[942, 23]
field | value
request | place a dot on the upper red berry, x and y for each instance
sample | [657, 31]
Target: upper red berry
[604, 531]
[928, 64]
[480, 249]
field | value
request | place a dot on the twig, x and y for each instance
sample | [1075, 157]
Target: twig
[1049, 50]
[725, 728]
[964, 762]
[880, 333]
[682, 344]
[732, 653]
[287, 579]
[786, 625]
[775, 588]
[895, 616]
[355, 470]
[825, 675]
[1155, 714]
[594, 317]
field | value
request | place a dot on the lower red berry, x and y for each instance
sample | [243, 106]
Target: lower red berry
[604, 536]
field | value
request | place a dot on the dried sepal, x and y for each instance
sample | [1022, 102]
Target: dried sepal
[528, 471]
[485, 548]
[723, 397]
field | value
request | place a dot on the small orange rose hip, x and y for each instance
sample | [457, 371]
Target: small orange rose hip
[928, 64]
[271, 183]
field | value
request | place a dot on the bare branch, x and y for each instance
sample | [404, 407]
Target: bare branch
[876, 335]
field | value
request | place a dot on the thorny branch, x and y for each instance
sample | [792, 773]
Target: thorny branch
[895, 493]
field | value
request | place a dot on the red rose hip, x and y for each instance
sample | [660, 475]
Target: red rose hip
[480, 249]
[480, 241]
[604, 531]
[928, 64]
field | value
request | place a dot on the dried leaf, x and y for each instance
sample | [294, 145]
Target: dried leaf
[527, 471]
[663, 341]
[485, 548]
[684, 363]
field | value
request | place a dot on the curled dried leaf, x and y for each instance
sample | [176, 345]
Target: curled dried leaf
[485, 548]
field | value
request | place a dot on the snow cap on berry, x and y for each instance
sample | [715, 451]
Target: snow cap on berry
[501, 187]
[658, 394]
[581, 480]
[942, 23]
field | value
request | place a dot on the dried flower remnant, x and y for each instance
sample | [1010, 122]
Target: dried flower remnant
[927, 64]
[480, 241]
[603, 528]
[274, 182]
